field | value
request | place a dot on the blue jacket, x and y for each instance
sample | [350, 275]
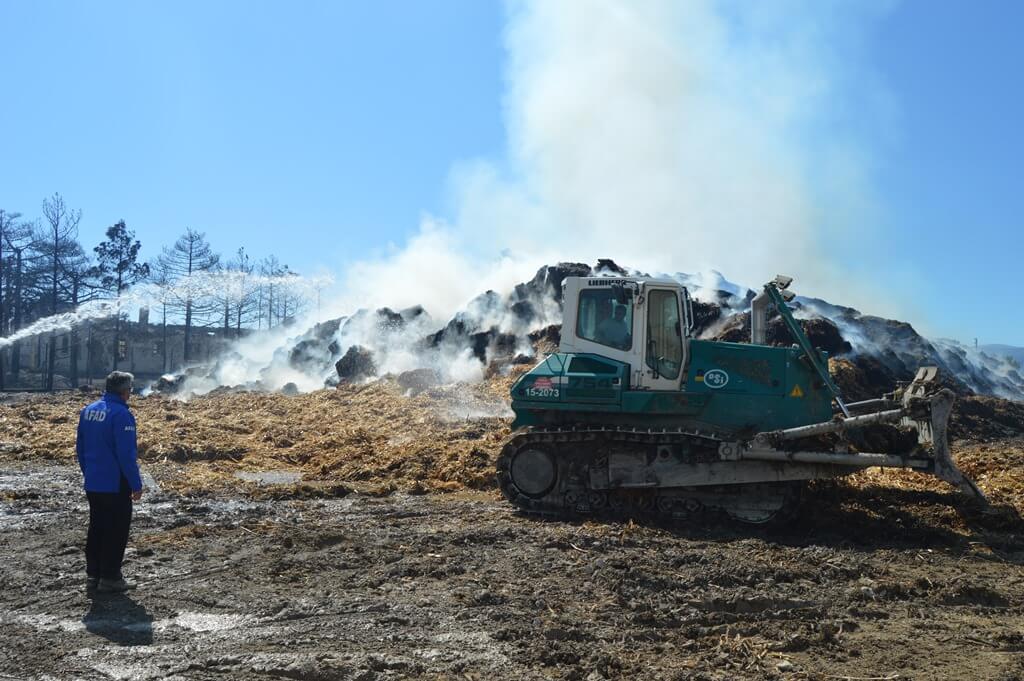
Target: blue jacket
[106, 445]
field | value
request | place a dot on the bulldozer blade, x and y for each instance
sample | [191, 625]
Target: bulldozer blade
[934, 430]
[928, 413]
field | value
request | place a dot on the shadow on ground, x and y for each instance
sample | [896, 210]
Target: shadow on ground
[836, 515]
[119, 619]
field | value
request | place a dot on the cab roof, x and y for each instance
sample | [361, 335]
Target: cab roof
[608, 281]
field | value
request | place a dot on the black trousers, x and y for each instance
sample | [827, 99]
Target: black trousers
[110, 517]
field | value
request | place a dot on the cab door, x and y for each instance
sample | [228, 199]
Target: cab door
[663, 337]
[604, 320]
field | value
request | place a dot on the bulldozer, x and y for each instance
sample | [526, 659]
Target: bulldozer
[636, 416]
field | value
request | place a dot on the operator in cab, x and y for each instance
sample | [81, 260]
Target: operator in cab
[107, 455]
[613, 330]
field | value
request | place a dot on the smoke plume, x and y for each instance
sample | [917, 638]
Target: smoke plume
[670, 135]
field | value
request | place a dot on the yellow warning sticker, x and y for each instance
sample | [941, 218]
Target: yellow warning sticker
[796, 392]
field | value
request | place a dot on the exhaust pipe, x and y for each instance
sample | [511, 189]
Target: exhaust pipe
[759, 318]
[759, 307]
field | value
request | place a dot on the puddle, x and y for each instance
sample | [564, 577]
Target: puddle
[270, 477]
[472, 646]
[192, 621]
[149, 483]
[45, 622]
[204, 621]
[129, 672]
[21, 480]
[32, 497]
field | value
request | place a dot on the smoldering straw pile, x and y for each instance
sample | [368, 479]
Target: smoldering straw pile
[378, 438]
[372, 437]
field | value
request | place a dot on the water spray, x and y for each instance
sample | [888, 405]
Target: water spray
[233, 286]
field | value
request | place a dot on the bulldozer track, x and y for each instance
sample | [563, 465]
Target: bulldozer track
[575, 448]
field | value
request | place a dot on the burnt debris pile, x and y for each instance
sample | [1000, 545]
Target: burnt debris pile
[495, 332]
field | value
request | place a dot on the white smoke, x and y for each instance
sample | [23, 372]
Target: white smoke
[259, 357]
[437, 269]
[669, 135]
[984, 372]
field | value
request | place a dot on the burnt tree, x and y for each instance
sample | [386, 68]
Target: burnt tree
[55, 242]
[119, 269]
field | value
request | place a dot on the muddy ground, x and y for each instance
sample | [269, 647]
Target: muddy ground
[868, 583]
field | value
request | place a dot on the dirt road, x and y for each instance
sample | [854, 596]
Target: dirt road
[458, 586]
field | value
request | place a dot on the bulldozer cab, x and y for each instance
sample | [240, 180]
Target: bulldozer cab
[645, 323]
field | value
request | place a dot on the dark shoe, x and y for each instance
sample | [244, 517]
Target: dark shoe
[112, 586]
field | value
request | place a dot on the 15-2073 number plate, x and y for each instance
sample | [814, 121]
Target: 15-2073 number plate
[542, 392]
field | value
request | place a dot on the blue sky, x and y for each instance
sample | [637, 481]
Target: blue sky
[313, 135]
[952, 183]
[322, 132]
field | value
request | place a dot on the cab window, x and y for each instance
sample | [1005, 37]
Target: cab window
[664, 333]
[604, 320]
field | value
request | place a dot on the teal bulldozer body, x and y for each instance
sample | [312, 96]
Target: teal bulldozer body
[765, 388]
[633, 414]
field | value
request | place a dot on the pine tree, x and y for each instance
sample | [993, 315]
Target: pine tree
[119, 268]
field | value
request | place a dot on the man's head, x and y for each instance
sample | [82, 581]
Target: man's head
[120, 383]
[620, 312]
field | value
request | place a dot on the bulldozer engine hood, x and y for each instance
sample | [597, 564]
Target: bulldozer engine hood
[727, 388]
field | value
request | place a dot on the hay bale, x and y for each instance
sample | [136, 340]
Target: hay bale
[357, 363]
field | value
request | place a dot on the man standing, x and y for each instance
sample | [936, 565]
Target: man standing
[106, 451]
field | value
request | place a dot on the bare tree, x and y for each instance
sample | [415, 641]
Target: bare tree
[183, 263]
[278, 292]
[12, 231]
[237, 296]
[270, 270]
[291, 301]
[17, 242]
[56, 239]
[9, 222]
[80, 284]
[159, 275]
